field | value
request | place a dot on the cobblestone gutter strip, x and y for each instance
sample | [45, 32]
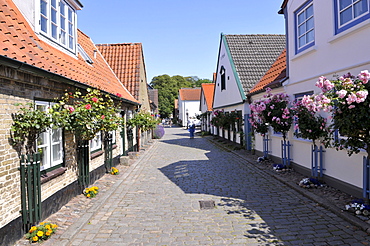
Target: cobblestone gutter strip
[319, 200]
[76, 227]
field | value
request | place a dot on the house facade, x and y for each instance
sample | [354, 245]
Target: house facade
[40, 59]
[188, 105]
[206, 100]
[324, 38]
[242, 61]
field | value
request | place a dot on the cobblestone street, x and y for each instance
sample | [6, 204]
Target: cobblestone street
[157, 201]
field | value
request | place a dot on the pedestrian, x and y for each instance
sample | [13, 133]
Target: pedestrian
[192, 129]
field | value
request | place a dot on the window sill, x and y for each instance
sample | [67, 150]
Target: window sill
[52, 174]
[305, 52]
[354, 29]
[96, 154]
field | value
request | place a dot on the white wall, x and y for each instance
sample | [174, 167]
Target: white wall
[193, 110]
[331, 56]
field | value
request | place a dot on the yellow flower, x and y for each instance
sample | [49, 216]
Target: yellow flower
[33, 228]
[54, 226]
[48, 233]
[40, 233]
[88, 195]
[42, 223]
[35, 239]
[95, 192]
[47, 227]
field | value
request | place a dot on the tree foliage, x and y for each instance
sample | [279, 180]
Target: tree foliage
[168, 89]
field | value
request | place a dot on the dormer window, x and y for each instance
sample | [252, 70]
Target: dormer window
[58, 22]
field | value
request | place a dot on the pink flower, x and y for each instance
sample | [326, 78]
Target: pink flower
[364, 76]
[95, 99]
[342, 93]
[103, 117]
[88, 106]
[119, 95]
[71, 109]
[351, 106]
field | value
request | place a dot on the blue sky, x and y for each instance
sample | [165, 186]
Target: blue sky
[179, 37]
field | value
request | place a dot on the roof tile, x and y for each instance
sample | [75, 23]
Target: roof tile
[20, 42]
[189, 94]
[274, 75]
[125, 60]
[208, 91]
[253, 55]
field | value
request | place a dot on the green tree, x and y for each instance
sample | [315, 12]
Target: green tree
[197, 82]
[168, 89]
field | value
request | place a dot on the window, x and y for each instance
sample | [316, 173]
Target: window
[96, 143]
[49, 143]
[57, 22]
[304, 23]
[223, 78]
[349, 13]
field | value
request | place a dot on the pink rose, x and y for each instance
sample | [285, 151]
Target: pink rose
[95, 99]
[88, 106]
[71, 109]
[103, 117]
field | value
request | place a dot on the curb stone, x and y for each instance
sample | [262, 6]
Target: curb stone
[321, 201]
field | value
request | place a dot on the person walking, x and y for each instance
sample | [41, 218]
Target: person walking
[192, 129]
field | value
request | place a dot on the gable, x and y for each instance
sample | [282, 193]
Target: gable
[227, 88]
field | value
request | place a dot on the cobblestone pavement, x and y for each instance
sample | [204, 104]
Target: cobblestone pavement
[156, 201]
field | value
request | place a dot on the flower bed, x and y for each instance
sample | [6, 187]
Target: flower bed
[41, 232]
[91, 192]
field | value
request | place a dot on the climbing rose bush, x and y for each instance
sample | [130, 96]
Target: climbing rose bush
[309, 124]
[347, 99]
[273, 109]
[86, 114]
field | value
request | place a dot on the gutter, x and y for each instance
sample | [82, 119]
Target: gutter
[27, 68]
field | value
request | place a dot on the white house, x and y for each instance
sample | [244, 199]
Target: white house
[242, 61]
[188, 105]
[324, 38]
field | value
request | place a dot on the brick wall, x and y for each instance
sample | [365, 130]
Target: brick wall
[18, 87]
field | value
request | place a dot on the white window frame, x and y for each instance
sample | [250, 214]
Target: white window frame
[303, 11]
[48, 145]
[58, 14]
[339, 27]
[114, 139]
[96, 142]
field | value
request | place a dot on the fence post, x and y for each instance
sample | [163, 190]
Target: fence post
[108, 151]
[248, 132]
[265, 145]
[285, 153]
[30, 188]
[366, 181]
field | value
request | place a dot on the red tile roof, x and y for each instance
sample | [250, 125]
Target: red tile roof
[19, 42]
[189, 94]
[208, 91]
[125, 60]
[273, 76]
